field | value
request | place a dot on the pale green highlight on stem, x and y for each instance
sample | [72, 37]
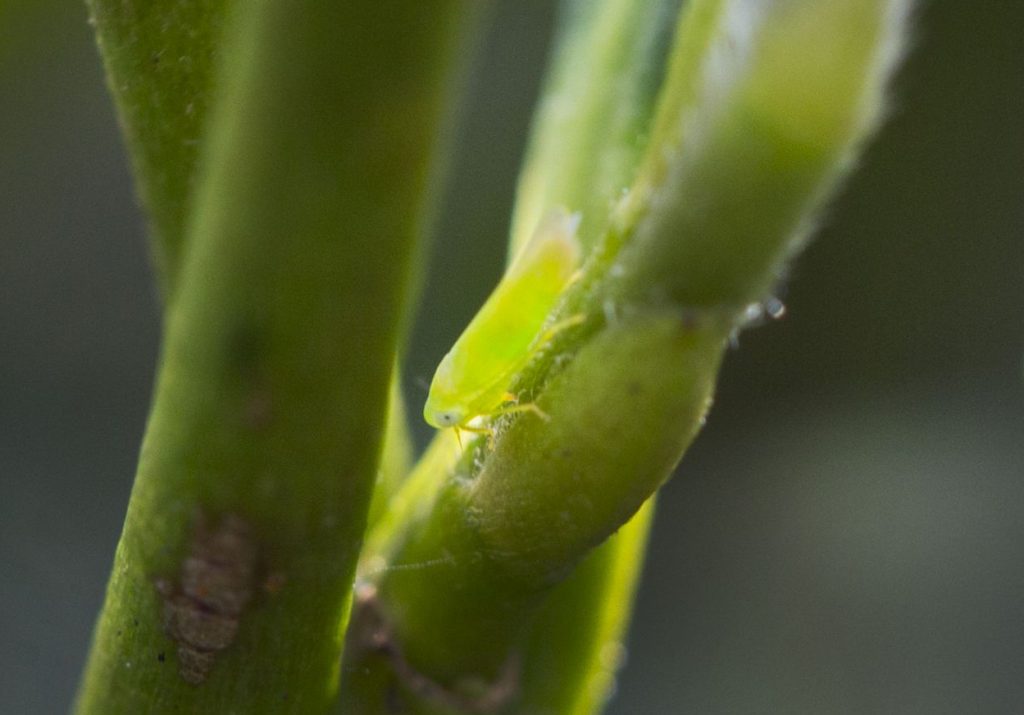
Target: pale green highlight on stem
[411, 504]
[274, 379]
[396, 458]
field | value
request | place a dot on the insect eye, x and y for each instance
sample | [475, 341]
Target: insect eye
[448, 418]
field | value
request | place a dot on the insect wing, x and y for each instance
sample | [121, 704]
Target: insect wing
[475, 373]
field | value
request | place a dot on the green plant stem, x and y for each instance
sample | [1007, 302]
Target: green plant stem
[574, 649]
[396, 459]
[589, 135]
[768, 123]
[495, 549]
[761, 115]
[591, 124]
[271, 397]
[160, 57]
[586, 141]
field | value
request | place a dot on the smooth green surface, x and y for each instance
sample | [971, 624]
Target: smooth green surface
[411, 504]
[271, 398]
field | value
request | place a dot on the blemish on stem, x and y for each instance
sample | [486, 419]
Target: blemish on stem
[202, 611]
[375, 635]
[257, 413]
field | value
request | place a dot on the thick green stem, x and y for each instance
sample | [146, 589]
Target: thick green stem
[160, 59]
[499, 542]
[771, 119]
[587, 139]
[270, 403]
[761, 114]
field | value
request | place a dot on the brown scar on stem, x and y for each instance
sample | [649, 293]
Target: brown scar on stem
[274, 582]
[258, 410]
[373, 634]
[215, 584]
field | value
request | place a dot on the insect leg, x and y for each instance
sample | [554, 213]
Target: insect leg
[459, 429]
[548, 334]
[527, 407]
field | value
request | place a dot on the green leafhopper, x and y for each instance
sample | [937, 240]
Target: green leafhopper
[473, 378]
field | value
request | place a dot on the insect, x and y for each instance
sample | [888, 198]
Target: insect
[473, 378]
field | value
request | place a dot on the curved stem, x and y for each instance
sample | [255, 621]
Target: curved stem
[760, 117]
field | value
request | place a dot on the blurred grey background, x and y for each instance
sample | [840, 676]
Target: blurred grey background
[847, 536]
